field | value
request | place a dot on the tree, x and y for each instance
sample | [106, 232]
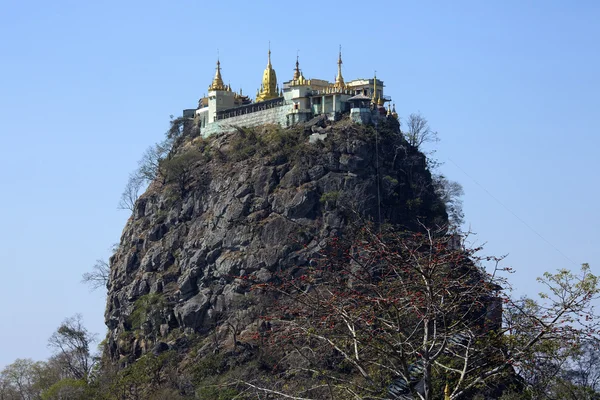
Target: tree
[68, 388]
[71, 343]
[180, 168]
[150, 165]
[98, 276]
[26, 379]
[417, 310]
[132, 191]
[546, 336]
[17, 380]
[181, 126]
[564, 373]
[450, 193]
[418, 131]
[582, 370]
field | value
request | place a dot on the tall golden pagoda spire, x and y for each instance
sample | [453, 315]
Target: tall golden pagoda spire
[297, 70]
[269, 82]
[298, 78]
[339, 79]
[374, 99]
[217, 83]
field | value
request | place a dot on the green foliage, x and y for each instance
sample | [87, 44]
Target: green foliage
[148, 375]
[179, 169]
[278, 144]
[414, 204]
[391, 180]
[330, 197]
[146, 308]
[207, 366]
[71, 389]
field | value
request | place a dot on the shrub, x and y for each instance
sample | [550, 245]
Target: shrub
[146, 308]
[329, 197]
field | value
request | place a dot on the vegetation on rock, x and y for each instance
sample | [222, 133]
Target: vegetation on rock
[258, 265]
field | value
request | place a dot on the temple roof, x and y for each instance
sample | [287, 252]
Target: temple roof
[360, 97]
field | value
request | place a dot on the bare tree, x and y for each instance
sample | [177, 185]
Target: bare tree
[98, 276]
[417, 310]
[149, 164]
[131, 192]
[71, 343]
[418, 131]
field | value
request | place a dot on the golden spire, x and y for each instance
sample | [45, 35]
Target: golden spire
[269, 82]
[374, 100]
[339, 79]
[297, 70]
[389, 110]
[217, 83]
[394, 113]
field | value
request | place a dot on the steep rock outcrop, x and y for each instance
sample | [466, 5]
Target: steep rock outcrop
[251, 204]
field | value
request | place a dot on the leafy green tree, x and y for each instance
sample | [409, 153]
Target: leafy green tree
[67, 389]
[17, 380]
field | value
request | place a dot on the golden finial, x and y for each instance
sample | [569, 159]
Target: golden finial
[389, 110]
[394, 113]
[217, 83]
[374, 100]
[339, 79]
[297, 70]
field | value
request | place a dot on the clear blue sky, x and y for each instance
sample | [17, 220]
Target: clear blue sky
[511, 86]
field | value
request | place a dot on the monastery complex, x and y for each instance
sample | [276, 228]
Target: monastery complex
[297, 100]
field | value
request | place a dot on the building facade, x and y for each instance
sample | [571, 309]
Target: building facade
[297, 101]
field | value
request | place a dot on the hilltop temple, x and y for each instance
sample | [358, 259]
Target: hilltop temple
[299, 100]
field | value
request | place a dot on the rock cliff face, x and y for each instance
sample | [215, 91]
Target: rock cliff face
[250, 204]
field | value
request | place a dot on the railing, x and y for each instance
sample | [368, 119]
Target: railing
[249, 108]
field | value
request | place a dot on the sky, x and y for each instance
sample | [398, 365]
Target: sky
[85, 87]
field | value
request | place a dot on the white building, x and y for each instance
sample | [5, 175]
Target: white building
[299, 100]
